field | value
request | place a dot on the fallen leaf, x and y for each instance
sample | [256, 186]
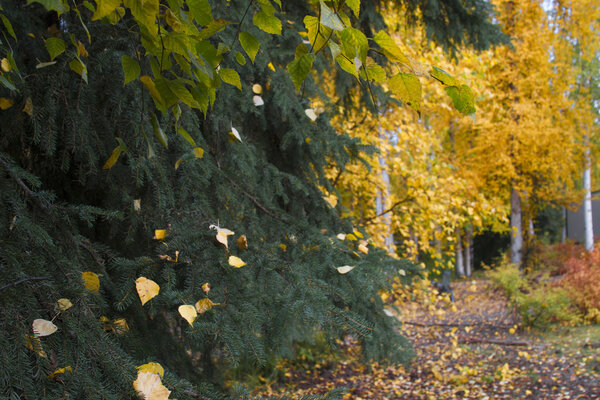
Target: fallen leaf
[310, 113]
[150, 386]
[206, 288]
[242, 242]
[160, 234]
[256, 88]
[5, 103]
[146, 289]
[341, 236]
[331, 200]
[235, 134]
[188, 312]
[5, 65]
[34, 344]
[120, 326]
[152, 367]
[258, 101]
[362, 247]
[345, 269]
[64, 304]
[42, 327]
[28, 107]
[204, 305]
[137, 204]
[91, 281]
[236, 262]
[222, 235]
[60, 371]
[271, 67]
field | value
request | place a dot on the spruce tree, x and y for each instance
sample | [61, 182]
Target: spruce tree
[97, 182]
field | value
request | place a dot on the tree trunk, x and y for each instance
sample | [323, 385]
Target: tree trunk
[563, 238]
[460, 266]
[383, 196]
[516, 237]
[587, 204]
[469, 251]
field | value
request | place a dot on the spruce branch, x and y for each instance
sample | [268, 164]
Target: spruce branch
[34, 197]
[256, 203]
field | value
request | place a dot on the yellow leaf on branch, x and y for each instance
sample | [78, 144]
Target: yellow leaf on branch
[42, 327]
[146, 289]
[236, 262]
[91, 281]
[188, 312]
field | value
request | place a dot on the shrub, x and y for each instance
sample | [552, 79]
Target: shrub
[508, 278]
[582, 281]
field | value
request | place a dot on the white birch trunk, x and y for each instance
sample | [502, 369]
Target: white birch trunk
[469, 251]
[460, 266]
[382, 199]
[587, 204]
[516, 231]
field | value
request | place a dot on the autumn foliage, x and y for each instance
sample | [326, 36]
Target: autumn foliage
[582, 280]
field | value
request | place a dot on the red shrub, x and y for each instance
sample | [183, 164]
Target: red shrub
[582, 281]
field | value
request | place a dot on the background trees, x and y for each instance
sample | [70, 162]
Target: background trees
[132, 143]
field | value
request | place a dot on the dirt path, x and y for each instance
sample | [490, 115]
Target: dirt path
[469, 349]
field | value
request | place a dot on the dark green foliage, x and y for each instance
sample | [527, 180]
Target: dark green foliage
[62, 214]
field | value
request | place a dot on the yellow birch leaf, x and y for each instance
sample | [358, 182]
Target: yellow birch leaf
[204, 305]
[60, 371]
[42, 327]
[341, 236]
[331, 200]
[91, 281]
[236, 262]
[152, 367]
[64, 304]
[345, 269]
[271, 67]
[5, 103]
[198, 152]
[258, 101]
[82, 49]
[159, 234]
[222, 235]
[28, 107]
[146, 289]
[149, 385]
[206, 288]
[282, 246]
[120, 326]
[34, 344]
[234, 133]
[307, 140]
[242, 242]
[351, 236]
[137, 204]
[402, 272]
[256, 88]
[358, 234]
[188, 312]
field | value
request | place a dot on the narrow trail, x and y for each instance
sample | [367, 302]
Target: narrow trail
[469, 349]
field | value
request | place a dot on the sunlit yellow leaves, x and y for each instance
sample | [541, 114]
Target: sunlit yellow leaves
[64, 304]
[146, 289]
[188, 312]
[42, 327]
[204, 305]
[60, 371]
[236, 262]
[91, 281]
[363, 247]
[5, 103]
[345, 269]
[331, 200]
[242, 242]
[149, 385]
[152, 367]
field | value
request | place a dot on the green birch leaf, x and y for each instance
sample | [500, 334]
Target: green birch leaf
[462, 98]
[149, 83]
[329, 18]
[354, 44]
[182, 93]
[214, 26]
[59, 6]
[145, 14]
[55, 47]
[79, 68]
[250, 45]
[201, 11]
[131, 68]
[231, 77]
[373, 72]
[113, 158]
[184, 134]
[346, 65]
[354, 5]
[444, 77]
[408, 88]
[390, 48]
[105, 8]
[318, 34]
[267, 22]
[8, 26]
[299, 69]
[239, 57]
[158, 132]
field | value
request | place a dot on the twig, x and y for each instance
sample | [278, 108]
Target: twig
[239, 27]
[396, 204]
[31, 278]
[455, 325]
[471, 339]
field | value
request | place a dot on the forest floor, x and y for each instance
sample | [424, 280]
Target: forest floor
[469, 349]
